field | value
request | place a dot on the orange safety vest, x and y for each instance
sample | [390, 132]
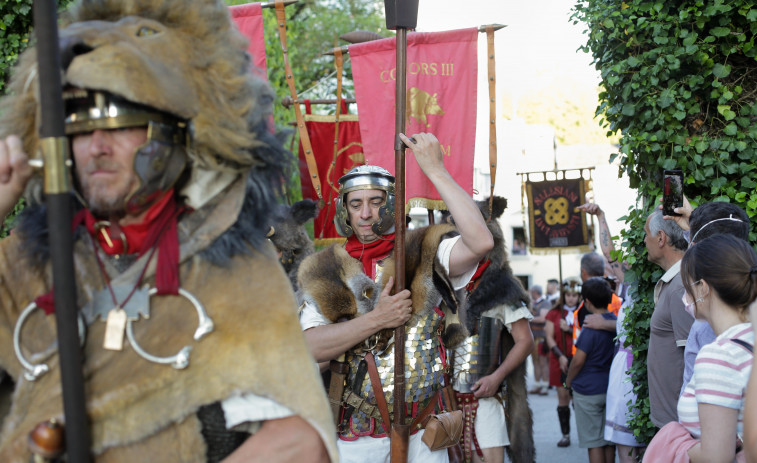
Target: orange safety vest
[614, 307]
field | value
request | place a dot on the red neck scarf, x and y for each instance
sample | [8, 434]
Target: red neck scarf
[370, 253]
[130, 239]
[160, 226]
[482, 266]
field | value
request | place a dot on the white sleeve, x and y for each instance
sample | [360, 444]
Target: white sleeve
[443, 253]
[508, 314]
[251, 408]
[311, 317]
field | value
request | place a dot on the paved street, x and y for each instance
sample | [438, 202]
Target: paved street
[547, 430]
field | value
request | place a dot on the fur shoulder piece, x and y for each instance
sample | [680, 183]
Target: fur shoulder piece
[288, 234]
[424, 275]
[497, 285]
[334, 282]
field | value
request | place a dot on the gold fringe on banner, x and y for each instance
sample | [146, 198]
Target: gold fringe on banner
[566, 250]
[434, 204]
[330, 117]
[529, 180]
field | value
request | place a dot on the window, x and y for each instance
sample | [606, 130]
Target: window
[519, 242]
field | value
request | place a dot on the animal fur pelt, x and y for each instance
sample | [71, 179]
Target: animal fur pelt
[335, 283]
[518, 416]
[289, 236]
[498, 286]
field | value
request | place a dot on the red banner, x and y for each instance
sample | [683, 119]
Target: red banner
[349, 153]
[249, 20]
[441, 99]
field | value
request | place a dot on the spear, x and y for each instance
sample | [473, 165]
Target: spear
[400, 15]
[59, 216]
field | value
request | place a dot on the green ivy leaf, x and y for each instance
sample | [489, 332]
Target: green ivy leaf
[720, 31]
[721, 70]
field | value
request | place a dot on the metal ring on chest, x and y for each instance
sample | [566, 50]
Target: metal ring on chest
[181, 359]
[32, 371]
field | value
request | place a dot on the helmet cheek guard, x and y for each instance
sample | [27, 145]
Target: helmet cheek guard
[385, 225]
[341, 219]
[158, 164]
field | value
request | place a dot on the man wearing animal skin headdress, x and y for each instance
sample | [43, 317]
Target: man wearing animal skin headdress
[175, 172]
[488, 365]
[338, 285]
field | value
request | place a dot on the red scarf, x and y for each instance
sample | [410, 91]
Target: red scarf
[135, 235]
[159, 227]
[370, 253]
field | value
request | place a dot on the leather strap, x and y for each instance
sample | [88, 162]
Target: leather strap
[449, 397]
[301, 129]
[469, 406]
[378, 392]
[339, 369]
[492, 114]
[420, 420]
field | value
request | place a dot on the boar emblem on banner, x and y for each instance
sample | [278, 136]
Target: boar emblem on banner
[421, 104]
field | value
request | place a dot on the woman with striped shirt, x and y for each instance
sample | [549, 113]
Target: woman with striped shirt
[720, 279]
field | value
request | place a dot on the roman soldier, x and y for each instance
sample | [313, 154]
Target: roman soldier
[192, 350]
[488, 365]
[349, 304]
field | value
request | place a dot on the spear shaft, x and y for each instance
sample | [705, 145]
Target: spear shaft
[57, 186]
[399, 246]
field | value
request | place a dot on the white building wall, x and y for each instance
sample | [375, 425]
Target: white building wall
[528, 148]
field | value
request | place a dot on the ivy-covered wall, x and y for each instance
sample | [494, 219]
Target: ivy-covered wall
[679, 84]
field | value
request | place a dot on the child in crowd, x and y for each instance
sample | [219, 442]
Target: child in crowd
[559, 338]
[589, 374]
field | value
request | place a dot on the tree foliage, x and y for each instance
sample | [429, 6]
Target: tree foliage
[15, 24]
[313, 27]
[680, 83]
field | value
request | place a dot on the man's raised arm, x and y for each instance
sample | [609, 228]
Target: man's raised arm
[475, 239]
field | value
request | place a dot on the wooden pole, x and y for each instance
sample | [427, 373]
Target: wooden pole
[400, 431]
[400, 15]
[59, 216]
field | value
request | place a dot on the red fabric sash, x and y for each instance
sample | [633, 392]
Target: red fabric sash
[370, 253]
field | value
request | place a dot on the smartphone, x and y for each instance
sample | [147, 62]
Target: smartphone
[672, 191]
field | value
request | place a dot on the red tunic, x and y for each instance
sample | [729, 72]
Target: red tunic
[564, 341]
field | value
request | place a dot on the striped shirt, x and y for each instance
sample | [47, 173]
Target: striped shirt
[721, 373]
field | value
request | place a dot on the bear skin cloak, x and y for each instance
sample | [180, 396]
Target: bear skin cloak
[143, 411]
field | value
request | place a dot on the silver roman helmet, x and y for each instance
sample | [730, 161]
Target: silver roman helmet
[366, 178]
[158, 163]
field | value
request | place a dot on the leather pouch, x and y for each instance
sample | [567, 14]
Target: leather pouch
[443, 430]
